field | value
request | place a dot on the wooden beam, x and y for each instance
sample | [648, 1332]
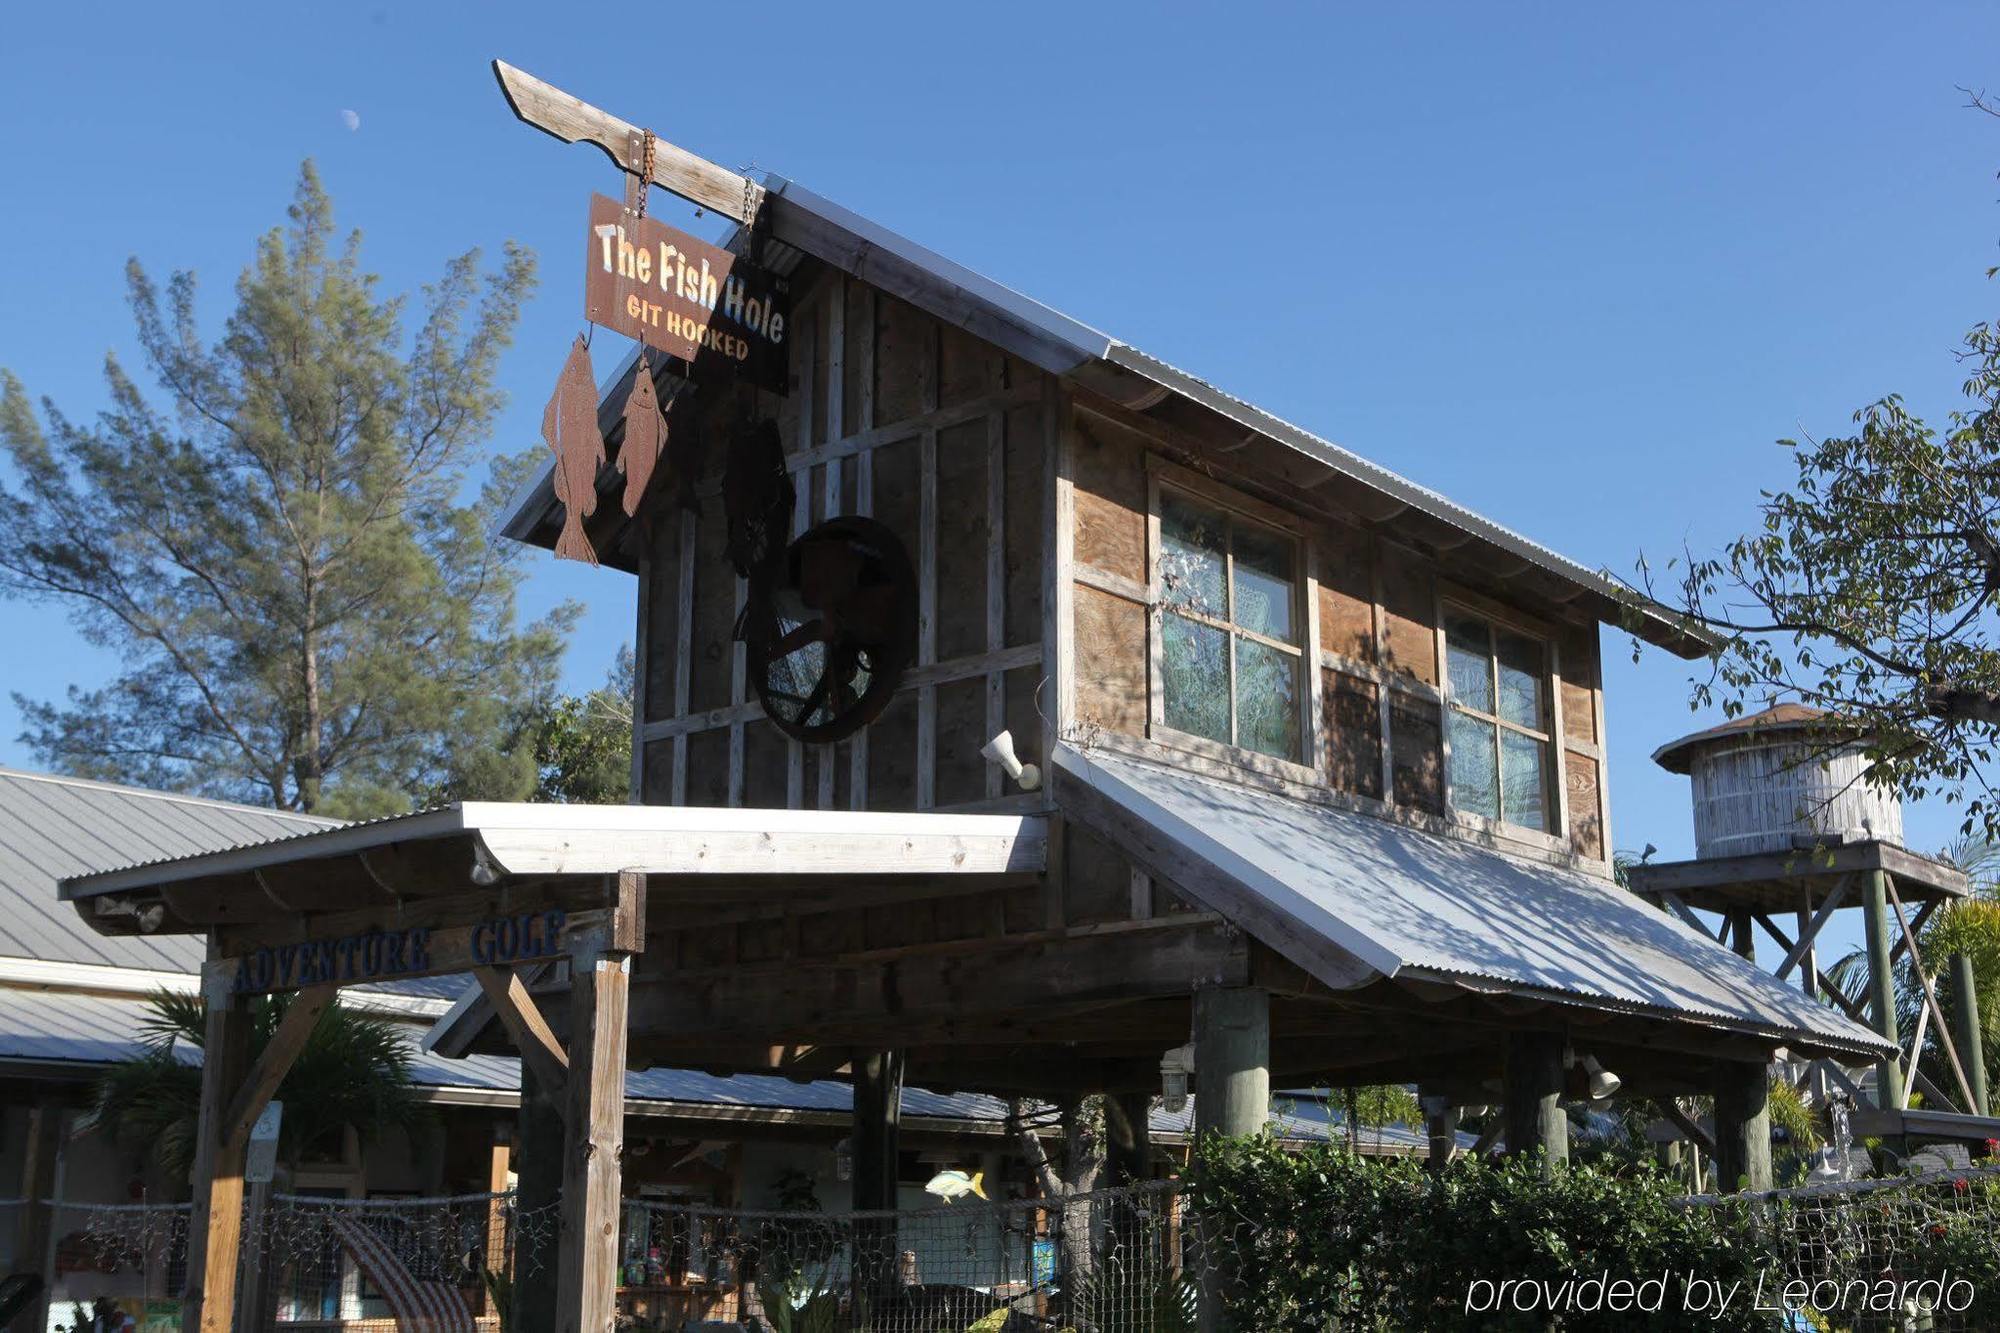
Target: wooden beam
[587, 1242]
[675, 170]
[1671, 1109]
[1930, 999]
[215, 1226]
[1810, 932]
[1533, 1098]
[273, 1063]
[522, 1017]
[803, 1001]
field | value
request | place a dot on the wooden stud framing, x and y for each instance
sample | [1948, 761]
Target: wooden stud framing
[641, 660]
[831, 499]
[1058, 590]
[522, 1017]
[864, 504]
[807, 323]
[683, 651]
[927, 590]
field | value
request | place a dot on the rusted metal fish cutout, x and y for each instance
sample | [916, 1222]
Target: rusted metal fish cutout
[569, 424]
[645, 436]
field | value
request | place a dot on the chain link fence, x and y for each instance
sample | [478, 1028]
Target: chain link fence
[1117, 1261]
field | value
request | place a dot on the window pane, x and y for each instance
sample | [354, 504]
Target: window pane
[1474, 788]
[1192, 542]
[1469, 654]
[1522, 786]
[1267, 700]
[1196, 675]
[1521, 668]
[1264, 595]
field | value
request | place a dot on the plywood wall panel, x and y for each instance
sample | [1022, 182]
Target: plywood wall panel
[714, 613]
[1409, 615]
[1111, 662]
[962, 540]
[1110, 486]
[1024, 536]
[1346, 592]
[961, 769]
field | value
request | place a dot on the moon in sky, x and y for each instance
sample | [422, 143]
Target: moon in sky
[351, 119]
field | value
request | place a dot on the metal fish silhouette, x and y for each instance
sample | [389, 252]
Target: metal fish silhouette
[645, 436]
[569, 424]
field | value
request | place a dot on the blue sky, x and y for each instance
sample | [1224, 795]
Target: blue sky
[1575, 266]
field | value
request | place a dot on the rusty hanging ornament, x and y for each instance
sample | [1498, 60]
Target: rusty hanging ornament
[569, 424]
[645, 436]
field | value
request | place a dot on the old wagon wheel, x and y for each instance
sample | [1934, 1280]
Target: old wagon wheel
[829, 630]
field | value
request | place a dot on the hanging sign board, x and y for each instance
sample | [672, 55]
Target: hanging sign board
[716, 311]
[381, 955]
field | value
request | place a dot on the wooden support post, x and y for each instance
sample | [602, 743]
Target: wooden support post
[1742, 1127]
[1534, 1083]
[499, 1164]
[1740, 938]
[1971, 1032]
[1232, 1063]
[32, 1229]
[1881, 986]
[878, 1115]
[215, 1228]
[1441, 1126]
[878, 1118]
[594, 1134]
[1128, 1135]
[1232, 1060]
[538, 1174]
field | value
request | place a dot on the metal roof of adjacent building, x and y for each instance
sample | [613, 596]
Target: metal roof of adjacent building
[1413, 905]
[55, 1028]
[54, 827]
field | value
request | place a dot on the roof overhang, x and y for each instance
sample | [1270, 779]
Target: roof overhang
[1356, 900]
[803, 223]
[398, 864]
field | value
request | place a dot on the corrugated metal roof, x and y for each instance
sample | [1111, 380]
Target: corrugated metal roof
[59, 1028]
[1063, 346]
[55, 827]
[1408, 903]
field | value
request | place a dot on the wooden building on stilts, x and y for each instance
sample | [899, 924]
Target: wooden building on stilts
[1077, 711]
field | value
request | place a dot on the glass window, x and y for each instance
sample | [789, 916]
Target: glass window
[1498, 731]
[1229, 629]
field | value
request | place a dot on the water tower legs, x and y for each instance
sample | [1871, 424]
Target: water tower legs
[1881, 985]
[1971, 1035]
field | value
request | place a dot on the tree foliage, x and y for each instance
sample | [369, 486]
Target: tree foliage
[353, 1073]
[583, 742]
[308, 613]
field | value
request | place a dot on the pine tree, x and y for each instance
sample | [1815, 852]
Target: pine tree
[309, 612]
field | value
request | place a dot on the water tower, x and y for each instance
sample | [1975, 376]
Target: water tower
[1787, 829]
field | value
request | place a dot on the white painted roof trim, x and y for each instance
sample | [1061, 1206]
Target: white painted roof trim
[548, 839]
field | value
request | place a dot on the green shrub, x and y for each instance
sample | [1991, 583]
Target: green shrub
[1323, 1238]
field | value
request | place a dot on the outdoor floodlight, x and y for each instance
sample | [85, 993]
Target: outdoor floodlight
[1000, 750]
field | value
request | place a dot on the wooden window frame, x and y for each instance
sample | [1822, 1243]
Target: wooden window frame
[1498, 616]
[1167, 478]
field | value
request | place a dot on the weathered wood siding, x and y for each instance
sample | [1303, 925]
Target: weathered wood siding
[941, 437]
[1765, 794]
[1373, 603]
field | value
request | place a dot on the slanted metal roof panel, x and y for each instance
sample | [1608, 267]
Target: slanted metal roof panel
[54, 827]
[1413, 904]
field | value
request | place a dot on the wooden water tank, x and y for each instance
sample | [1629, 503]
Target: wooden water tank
[1770, 782]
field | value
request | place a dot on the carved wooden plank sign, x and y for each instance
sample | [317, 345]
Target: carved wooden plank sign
[712, 309]
[413, 951]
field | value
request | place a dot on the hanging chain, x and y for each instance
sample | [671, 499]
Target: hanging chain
[645, 174]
